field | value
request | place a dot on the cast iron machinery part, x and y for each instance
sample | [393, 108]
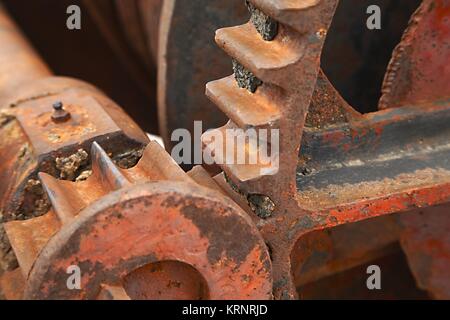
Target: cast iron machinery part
[115, 223]
[223, 266]
[342, 172]
[305, 171]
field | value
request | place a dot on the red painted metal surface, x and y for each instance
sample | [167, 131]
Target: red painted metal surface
[352, 170]
[419, 70]
[156, 222]
[126, 238]
[150, 216]
[349, 187]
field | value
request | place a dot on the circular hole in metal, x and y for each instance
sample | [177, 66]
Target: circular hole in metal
[166, 280]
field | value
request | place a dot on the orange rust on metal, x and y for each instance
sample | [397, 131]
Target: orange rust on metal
[40, 88]
[112, 293]
[17, 163]
[425, 238]
[12, 284]
[229, 271]
[335, 137]
[289, 62]
[155, 232]
[202, 177]
[418, 71]
[31, 140]
[119, 224]
[185, 208]
[30, 236]
[19, 63]
[165, 280]
[70, 198]
[174, 220]
[184, 67]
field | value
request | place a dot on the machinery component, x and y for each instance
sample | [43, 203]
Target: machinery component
[89, 190]
[60, 115]
[425, 240]
[68, 200]
[411, 78]
[31, 140]
[187, 61]
[110, 234]
[351, 168]
[87, 53]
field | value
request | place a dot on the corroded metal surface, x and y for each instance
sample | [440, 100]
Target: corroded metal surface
[351, 169]
[418, 71]
[19, 62]
[31, 140]
[293, 63]
[426, 242]
[169, 219]
[148, 215]
[93, 117]
[98, 208]
[94, 192]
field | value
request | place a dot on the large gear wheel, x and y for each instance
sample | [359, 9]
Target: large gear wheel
[338, 169]
[90, 192]
[142, 240]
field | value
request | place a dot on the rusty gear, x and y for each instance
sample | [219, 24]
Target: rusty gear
[347, 168]
[84, 186]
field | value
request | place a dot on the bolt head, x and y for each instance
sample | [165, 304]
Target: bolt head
[59, 114]
[58, 105]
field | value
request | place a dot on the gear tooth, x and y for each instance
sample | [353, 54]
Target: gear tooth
[157, 164]
[69, 198]
[202, 177]
[265, 60]
[277, 74]
[64, 197]
[301, 15]
[242, 107]
[105, 170]
[28, 237]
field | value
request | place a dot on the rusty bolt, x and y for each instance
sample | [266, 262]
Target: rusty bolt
[59, 114]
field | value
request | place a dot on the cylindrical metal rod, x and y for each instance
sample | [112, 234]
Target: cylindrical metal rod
[19, 63]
